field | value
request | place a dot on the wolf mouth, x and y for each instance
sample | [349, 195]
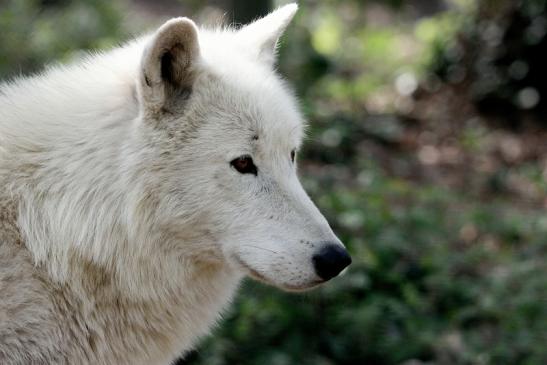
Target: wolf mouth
[288, 287]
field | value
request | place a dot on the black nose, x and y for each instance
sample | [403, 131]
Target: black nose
[330, 261]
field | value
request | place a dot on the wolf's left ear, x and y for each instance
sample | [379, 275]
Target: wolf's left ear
[260, 37]
[168, 64]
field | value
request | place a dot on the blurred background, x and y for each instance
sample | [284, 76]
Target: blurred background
[427, 152]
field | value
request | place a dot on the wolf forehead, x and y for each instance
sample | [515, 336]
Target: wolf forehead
[251, 110]
[242, 97]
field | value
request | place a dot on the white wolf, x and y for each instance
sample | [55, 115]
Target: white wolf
[139, 186]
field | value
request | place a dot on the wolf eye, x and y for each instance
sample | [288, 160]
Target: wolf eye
[244, 165]
[293, 155]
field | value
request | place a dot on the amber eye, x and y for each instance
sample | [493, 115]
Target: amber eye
[293, 155]
[244, 165]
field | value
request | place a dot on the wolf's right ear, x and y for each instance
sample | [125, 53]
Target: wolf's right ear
[168, 64]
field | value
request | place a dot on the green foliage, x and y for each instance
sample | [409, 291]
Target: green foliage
[35, 33]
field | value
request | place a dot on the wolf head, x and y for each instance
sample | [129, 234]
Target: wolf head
[222, 131]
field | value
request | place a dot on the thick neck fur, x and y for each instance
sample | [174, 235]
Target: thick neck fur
[86, 209]
[70, 159]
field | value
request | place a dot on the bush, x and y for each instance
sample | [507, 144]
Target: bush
[36, 33]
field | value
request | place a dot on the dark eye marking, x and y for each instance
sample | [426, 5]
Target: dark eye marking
[293, 155]
[244, 165]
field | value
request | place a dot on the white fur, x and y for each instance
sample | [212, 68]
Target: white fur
[114, 177]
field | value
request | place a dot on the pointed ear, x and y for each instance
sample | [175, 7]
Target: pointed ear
[168, 64]
[261, 36]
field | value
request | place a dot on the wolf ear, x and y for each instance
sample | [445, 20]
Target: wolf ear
[262, 35]
[168, 64]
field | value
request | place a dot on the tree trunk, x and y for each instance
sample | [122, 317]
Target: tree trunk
[244, 11]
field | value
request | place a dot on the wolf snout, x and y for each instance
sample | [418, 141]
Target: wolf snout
[330, 261]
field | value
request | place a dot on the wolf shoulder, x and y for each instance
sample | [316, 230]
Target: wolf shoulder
[29, 333]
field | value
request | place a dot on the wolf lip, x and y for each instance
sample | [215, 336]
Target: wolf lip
[288, 287]
[252, 272]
